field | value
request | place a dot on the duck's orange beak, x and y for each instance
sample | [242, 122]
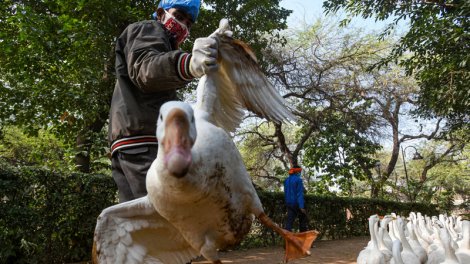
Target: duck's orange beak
[177, 143]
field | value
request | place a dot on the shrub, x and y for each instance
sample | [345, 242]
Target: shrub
[328, 215]
[46, 217]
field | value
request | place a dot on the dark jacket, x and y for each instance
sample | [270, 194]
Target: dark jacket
[148, 71]
[294, 191]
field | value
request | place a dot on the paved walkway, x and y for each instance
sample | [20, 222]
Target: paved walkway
[342, 251]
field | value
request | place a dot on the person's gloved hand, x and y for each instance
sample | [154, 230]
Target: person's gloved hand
[204, 56]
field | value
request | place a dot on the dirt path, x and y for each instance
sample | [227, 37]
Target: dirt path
[343, 251]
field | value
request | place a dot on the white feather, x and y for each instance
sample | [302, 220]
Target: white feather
[238, 85]
[133, 232]
[463, 253]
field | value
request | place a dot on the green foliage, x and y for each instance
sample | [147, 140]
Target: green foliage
[57, 57]
[44, 149]
[438, 40]
[449, 181]
[341, 151]
[259, 158]
[256, 22]
[46, 217]
[338, 101]
[52, 56]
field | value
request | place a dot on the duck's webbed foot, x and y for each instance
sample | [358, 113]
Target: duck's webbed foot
[297, 244]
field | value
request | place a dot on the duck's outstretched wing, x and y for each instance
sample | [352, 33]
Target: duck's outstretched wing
[133, 232]
[240, 84]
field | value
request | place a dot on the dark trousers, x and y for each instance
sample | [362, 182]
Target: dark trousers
[294, 212]
[129, 170]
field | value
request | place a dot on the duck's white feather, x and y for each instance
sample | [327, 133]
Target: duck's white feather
[124, 231]
[214, 204]
[239, 85]
[463, 253]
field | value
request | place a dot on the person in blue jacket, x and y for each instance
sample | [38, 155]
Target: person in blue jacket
[294, 198]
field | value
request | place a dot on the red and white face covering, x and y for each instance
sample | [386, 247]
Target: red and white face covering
[177, 29]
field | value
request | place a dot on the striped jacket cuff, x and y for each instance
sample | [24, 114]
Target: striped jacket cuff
[183, 67]
[133, 142]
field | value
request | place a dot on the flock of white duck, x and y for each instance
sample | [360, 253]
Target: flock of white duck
[417, 239]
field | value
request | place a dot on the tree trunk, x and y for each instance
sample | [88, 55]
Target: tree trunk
[283, 145]
[395, 149]
[84, 138]
[374, 191]
[82, 158]
[84, 143]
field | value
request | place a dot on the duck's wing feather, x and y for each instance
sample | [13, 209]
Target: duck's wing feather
[241, 84]
[134, 232]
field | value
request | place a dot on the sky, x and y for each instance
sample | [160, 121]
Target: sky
[310, 10]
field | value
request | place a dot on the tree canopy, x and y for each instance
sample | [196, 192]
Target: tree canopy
[57, 77]
[346, 111]
[57, 58]
[434, 49]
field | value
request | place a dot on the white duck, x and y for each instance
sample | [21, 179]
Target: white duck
[450, 257]
[391, 227]
[386, 237]
[371, 254]
[463, 253]
[200, 196]
[458, 224]
[408, 256]
[423, 233]
[416, 246]
[436, 251]
[449, 225]
[429, 223]
[386, 252]
[396, 252]
[421, 238]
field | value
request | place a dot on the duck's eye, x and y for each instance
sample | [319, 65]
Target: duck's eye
[161, 117]
[192, 119]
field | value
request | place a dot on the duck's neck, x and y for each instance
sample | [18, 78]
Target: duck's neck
[423, 230]
[450, 254]
[423, 241]
[391, 231]
[206, 94]
[412, 232]
[403, 239]
[450, 228]
[396, 252]
[428, 225]
[383, 226]
[373, 236]
[466, 235]
[380, 238]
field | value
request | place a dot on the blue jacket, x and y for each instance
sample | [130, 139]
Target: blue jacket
[294, 191]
